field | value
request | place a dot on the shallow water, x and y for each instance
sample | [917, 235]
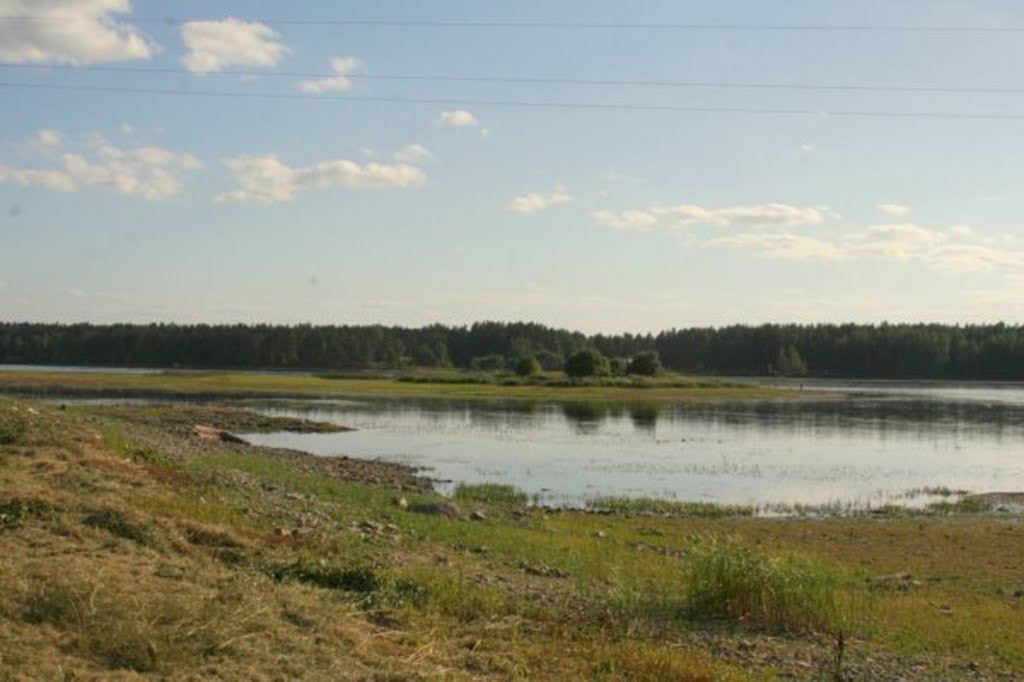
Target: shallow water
[867, 445]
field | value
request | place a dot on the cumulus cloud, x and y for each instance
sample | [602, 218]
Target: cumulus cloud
[267, 180]
[151, 173]
[459, 118]
[75, 32]
[534, 202]
[342, 67]
[412, 153]
[218, 45]
[895, 210]
[631, 219]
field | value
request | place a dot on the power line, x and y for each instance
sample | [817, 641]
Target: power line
[572, 25]
[547, 80]
[606, 106]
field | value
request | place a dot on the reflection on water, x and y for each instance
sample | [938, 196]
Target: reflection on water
[865, 447]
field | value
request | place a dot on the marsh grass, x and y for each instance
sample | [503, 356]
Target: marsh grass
[639, 506]
[492, 494]
[732, 581]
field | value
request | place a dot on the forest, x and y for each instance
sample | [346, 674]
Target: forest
[993, 352]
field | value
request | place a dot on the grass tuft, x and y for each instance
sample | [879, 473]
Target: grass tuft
[731, 581]
[494, 494]
[654, 507]
[118, 523]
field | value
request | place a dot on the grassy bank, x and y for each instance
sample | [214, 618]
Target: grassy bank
[426, 385]
[133, 547]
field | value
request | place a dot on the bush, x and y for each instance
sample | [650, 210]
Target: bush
[731, 581]
[586, 363]
[645, 364]
[528, 366]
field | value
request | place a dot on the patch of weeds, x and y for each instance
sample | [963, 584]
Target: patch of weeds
[361, 579]
[117, 523]
[495, 494]
[703, 510]
[12, 427]
[220, 545]
[13, 511]
[732, 581]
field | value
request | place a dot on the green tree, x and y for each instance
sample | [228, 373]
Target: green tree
[586, 363]
[646, 363]
[528, 366]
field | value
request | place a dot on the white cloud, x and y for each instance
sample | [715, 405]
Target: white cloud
[894, 243]
[534, 202]
[683, 215]
[266, 180]
[896, 210]
[631, 219]
[783, 246]
[150, 173]
[342, 66]
[961, 230]
[756, 214]
[412, 153]
[75, 32]
[973, 258]
[899, 241]
[459, 118]
[218, 45]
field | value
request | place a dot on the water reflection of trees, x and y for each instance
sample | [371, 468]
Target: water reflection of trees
[883, 414]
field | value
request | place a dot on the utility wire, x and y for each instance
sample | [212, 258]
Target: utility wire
[573, 25]
[546, 80]
[768, 111]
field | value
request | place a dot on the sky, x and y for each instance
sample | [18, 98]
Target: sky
[595, 165]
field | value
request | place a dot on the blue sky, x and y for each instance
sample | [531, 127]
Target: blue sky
[255, 162]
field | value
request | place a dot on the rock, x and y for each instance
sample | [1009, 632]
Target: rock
[402, 503]
[599, 534]
[282, 532]
[478, 515]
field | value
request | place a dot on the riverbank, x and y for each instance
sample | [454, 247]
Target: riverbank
[135, 546]
[221, 385]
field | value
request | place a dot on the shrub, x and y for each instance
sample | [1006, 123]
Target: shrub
[731, 581]
[528, 366]
[586, 363]
[645, 364]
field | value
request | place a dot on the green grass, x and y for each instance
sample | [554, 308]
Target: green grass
[732, 581]
[462, 385]
[639, 506]
[489, 494]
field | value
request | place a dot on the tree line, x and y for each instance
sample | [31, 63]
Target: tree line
[994, 351]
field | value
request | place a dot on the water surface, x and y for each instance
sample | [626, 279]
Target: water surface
[868, 444]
